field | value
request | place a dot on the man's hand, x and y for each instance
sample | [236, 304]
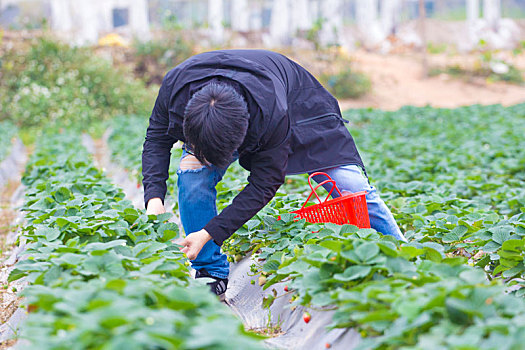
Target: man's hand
[155, 207]
[194, 242]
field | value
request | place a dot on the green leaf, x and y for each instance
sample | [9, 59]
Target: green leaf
[367, 251]
[168, 235]
[16, 274]
[116, 285]
[62, 194]
[353, 272]
[251, 224]
[271, 265]
[351, 256]
[500, 234]
[50, 233]
[52, 275]
[333, 245]
[491, 247]
[70, 259]
[322, 299]
[347, 229]
[455, 235]
[473, 276]
[388, 248]
[514, 271]
[410, 252]
[104, 246]
[287, 217]
[513, 244]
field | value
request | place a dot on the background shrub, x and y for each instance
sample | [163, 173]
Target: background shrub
[53, 84]
[346, 83]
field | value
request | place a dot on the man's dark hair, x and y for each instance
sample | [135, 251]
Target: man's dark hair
[215, 123]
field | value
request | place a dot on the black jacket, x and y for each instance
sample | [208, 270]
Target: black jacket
[295, 127]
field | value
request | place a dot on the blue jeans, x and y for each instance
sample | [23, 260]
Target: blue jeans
[197, 206]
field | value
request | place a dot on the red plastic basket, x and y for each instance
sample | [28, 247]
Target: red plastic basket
[347, 209]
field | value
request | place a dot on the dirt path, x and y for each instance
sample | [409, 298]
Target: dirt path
[396, 82]
[9, 300]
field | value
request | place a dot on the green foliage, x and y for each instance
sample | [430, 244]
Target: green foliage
[394, 295]
[487, 66]
[454, 181]
[457, 182]
[55, 84]
[125, 143]
[102, 274]
[435, 48]
[313, 33]
[347, 83]
[513, 75]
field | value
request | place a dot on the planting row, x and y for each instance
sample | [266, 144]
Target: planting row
[454, 177]
[454, 180]
[102, 274]
[458, 187]
[423, 292]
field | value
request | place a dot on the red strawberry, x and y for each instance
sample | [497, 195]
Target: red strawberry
[307, 317]
[286, 288]
[328, 345]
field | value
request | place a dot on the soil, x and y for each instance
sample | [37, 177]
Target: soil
[397, 80]
[7, 214]
[8, 299]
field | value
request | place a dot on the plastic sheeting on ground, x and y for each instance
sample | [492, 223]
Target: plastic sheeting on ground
[11, 166]
[10, 169]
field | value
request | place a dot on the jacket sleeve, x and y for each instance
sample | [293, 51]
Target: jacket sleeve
[157, 149]
[268, 170]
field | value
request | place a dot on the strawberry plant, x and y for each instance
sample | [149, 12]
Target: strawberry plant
[457, 209]
[102, 274]
[453, 179]
[125, 144]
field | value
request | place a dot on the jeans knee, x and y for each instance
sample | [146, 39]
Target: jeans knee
[190, 164]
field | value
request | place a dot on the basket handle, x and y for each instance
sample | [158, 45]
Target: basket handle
[329, 180]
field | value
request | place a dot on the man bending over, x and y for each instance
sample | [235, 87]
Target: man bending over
[265, 110]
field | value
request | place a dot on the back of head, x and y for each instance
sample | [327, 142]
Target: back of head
[215, 123]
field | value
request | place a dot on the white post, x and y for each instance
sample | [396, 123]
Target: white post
[492, 13]
[301, 17]
[240, 15]
[87, 21]
[390, 11]
[215, 18]
[280, 23]
[331, 12]
[256, 15]
[139, 21]
[472, 20]
[367, 22]
[366, 12]
[61, 16]
[472, 11]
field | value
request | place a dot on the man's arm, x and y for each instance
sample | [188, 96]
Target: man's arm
[156, 155]
[268, 170]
